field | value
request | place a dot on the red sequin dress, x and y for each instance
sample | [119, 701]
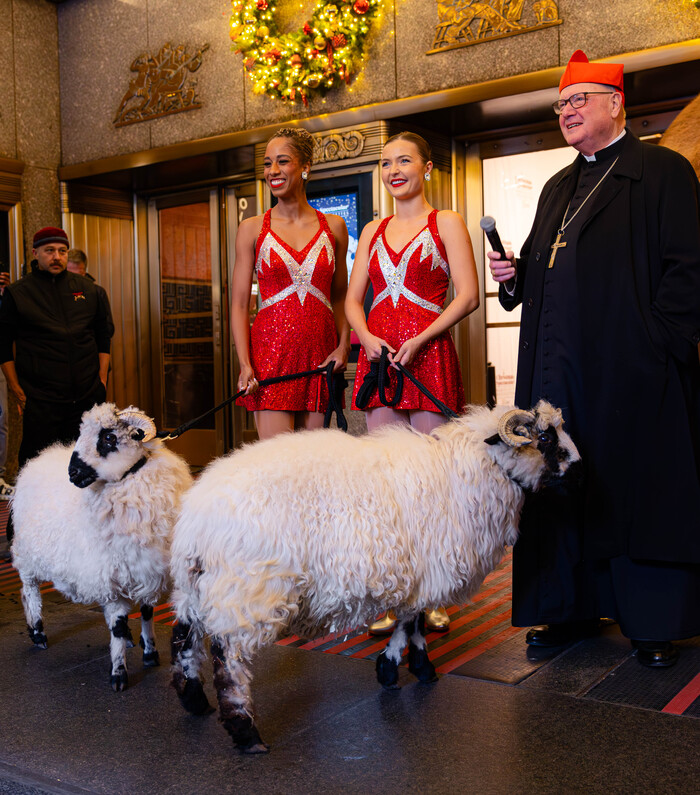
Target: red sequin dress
[409, 292]
[294, 329]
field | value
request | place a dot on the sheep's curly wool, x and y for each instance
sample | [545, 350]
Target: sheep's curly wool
[320, 531]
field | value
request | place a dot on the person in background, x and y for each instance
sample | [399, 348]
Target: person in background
[609, 283]
[78, 263]
[409, 258]
[298, 255]
[55, 333]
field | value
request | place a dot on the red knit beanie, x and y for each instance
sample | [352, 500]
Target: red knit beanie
[50, 234]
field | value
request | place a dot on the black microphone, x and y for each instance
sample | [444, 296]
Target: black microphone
[488, 224]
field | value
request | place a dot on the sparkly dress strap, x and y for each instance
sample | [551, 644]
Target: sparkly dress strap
[380, 231]
[433, 226]
[325, 226]
[264, 229]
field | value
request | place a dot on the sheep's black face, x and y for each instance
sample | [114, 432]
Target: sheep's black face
[80, 473]
[559, 454]
[106, 442]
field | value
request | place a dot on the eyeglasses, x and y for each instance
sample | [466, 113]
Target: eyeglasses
[575, 100]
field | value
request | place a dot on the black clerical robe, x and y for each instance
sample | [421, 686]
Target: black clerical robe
[610, 333]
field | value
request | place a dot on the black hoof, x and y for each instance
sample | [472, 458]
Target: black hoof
[387, 672]
[192, 695]
[244, 734]
[151, 659]
[38, 638]
[420, 666]
[120, 680]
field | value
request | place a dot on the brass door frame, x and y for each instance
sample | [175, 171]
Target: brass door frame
[194, 436]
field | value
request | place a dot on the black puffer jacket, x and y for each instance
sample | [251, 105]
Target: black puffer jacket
[59, 324]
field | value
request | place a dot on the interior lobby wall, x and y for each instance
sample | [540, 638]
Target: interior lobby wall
[100, 39]
[30, 116]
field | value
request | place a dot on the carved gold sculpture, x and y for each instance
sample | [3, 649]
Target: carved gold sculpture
[465, 22]
[161, 85]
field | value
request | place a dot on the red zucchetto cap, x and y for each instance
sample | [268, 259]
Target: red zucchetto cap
[50, 234]
[580, 70]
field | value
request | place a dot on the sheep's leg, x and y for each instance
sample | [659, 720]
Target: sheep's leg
[116, 617]
[418, 661]
[147, 641]
[388, 661]
[31, 601]
[187, 653]
[232, 682]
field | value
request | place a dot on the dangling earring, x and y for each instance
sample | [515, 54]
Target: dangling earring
[427, 176]
[304, 174]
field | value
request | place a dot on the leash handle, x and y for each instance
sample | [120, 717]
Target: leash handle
[334, 403]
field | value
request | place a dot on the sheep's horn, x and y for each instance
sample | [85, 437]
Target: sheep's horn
[509, 422]
[137, 419]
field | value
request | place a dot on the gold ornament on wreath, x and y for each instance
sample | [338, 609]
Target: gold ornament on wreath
[326, 52]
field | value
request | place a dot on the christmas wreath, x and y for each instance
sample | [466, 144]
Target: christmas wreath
[326, 52]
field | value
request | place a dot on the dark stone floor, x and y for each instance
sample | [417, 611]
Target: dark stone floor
[330, 727]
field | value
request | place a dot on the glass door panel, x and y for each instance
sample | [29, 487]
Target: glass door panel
[512, 186]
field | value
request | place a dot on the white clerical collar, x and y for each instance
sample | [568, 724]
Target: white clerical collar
[591, 158]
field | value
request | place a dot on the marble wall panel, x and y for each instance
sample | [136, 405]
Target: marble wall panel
[418, 73]
[38, 118]
[8, 138]
[219, 80]
[604, 29]
[99, 39]
[40, 203]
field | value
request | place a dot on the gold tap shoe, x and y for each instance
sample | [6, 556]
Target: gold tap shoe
[437, 620]
[383, 626]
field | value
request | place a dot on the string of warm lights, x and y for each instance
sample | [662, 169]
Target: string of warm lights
[310, 61]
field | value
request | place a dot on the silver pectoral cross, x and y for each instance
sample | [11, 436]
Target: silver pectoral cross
[555, 247]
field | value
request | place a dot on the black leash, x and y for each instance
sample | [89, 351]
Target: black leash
[336, 387]
[377, 379]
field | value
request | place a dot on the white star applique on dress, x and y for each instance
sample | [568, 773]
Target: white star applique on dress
[396, 276]
[300, 274]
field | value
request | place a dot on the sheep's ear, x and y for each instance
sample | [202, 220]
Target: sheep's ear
[137, 434]
[495, 439]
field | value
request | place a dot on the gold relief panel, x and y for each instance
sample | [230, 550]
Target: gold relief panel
[161, 85]
[338, 146]
[465, 22]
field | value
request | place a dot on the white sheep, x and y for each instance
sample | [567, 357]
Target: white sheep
[97, 520]
[319, 531]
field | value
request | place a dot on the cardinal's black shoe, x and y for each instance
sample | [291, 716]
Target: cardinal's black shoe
[551, 635]
[656, 653]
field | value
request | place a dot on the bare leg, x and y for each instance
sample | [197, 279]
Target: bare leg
[232, 682]
[116, 617]
[384, 415]
[426, 421]
[187, 654]
[418, 662]
[272, 423]
[147, 641]
[31, 601]
[308, 420]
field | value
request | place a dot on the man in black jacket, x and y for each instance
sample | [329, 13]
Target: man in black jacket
[60, 327]
[609, 284]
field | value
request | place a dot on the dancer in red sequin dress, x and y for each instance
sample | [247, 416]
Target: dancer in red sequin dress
[409, 259]
[298, 255]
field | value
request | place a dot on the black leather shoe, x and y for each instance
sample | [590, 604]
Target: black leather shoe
[656, 653]
[551, 635]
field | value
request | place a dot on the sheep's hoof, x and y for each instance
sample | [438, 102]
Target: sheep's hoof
[420, 666]
[38, 639]
[191, 694]
[387, 672]
[151, 659]
[258, 748]
[244, 734]
[120, 680]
